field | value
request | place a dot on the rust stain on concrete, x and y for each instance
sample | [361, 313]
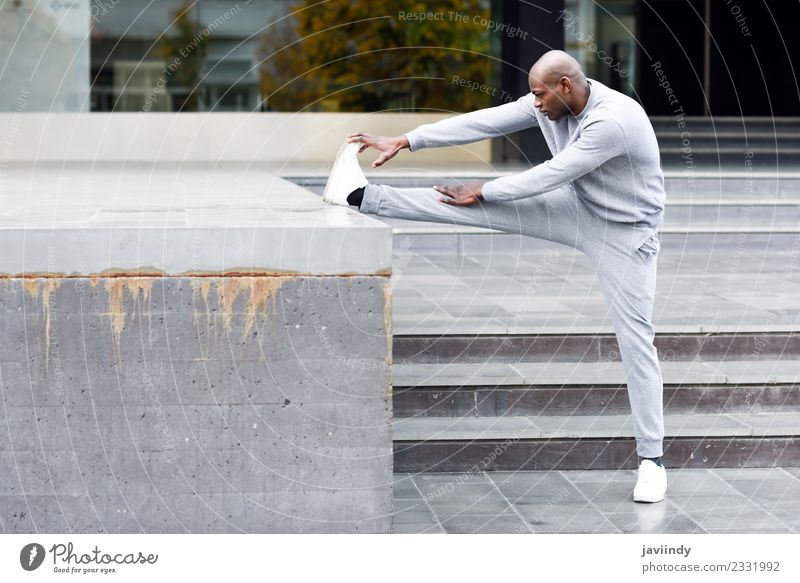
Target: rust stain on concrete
[262, 289]
[205, 288]
[116, 290]
[256, 291]
[32, 287]
[47, 287]
[227, 291]
[201, 288]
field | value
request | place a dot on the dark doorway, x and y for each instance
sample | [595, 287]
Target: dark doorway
[723, 58]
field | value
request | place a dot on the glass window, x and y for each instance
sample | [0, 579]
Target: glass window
[602, 37]
[289, 55]
[250, 55]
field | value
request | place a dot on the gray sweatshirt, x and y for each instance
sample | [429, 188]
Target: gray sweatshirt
[608, 154]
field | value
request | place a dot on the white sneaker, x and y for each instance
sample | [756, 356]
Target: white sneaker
[346, 175]
[651, 485]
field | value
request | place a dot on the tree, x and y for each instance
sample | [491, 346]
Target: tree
[185, 53]
[340, 55]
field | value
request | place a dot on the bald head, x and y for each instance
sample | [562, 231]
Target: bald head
[558, 85]
[554, 65]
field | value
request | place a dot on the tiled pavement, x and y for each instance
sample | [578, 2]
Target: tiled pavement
[501, 285]
[553, 289]
[751, 500]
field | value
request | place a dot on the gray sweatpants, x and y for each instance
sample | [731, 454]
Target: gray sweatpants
[623, 255]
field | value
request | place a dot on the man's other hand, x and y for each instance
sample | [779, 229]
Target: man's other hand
[465, 195]
[387, 147]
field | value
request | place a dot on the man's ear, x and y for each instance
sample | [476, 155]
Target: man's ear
[565, 85]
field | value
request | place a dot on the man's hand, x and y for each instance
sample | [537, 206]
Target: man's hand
[465, 195]
[387, 147]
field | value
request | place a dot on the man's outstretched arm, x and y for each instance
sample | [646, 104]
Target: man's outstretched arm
[476, 125]
[460, 129]
[599, 141]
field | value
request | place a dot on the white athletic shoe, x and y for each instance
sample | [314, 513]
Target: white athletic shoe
[651, 485]
[346, 175]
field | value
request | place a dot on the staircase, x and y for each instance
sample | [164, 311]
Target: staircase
[503, 359]
[551, 402]
[728, 143]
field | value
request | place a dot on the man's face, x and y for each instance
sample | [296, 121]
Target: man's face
[549, 100]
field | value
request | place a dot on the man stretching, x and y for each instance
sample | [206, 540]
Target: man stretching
[602, 193]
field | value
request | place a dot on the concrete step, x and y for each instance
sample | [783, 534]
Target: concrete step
[592, 442]
[589, 388]
[726, 125]
[755, 143]
[689, 222]
[593, 373]
[683, 185]
[590, 348]
[567, 399]
[543, 427]
[761, 216]
[752, 185]
[729, 160]
[678, 184]
[677, 245]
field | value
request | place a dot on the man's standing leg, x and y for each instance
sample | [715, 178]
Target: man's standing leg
[627, 273]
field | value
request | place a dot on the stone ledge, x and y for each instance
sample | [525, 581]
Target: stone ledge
[170, 220]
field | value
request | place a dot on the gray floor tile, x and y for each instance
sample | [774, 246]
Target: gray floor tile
[769, 491]
[425, 480]
[451, 499]
[683, 296]
[423, 528]
[407, 512]
[744, 516]
[565, 517]
[480, 505]
[601, 502]
[695, 482]
[575, 476]
[610, 497]
[793, 471]
[741, 530]
[404, 488]
[654, 518]
[728, 474]
[786, 513]
[536, 487]
[709, 503]
[486, 524]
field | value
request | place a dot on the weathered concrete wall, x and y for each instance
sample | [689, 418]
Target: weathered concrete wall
[195, 404]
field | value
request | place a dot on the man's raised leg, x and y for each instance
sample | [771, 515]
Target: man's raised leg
[555, 216]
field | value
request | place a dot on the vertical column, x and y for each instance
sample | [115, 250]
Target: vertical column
[45, 47]
[541, 31]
